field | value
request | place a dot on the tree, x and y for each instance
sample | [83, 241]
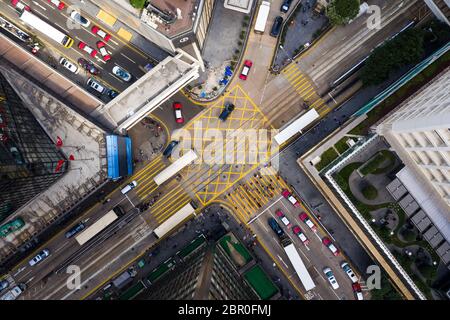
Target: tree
[342, 11]
[405, 49]
[138, 4]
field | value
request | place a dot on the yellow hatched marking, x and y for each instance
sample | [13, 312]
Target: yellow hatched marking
[237, 203]
[165, 214]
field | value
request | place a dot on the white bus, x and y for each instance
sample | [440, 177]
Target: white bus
[48, 30]
[261, 19]
[96, 227]
[174, 220]
[299, 267]
[175, 167]
[296, 126]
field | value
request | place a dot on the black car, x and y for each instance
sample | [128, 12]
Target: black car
[276, 27]
[229, 107]
[275, 226]
[112, 93]
[168, 151]
[285, 6]
[77, 228]
[119, 210]
[89, 66]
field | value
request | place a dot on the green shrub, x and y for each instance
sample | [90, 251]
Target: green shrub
[138, 4]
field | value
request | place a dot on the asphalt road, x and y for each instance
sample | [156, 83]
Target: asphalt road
[122, 54]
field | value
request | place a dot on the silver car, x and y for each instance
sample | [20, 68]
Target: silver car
[121, 73]
[39, 257]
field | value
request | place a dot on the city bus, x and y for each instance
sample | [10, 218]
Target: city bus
[175, 167]
[261, 19]
[296, 126]
[96, 227]
[174, 220]
[43, 27]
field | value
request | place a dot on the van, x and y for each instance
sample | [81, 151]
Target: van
[276, 27]
[128, 187]
[95, 85]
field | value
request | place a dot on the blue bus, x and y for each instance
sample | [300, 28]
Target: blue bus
[119, 156]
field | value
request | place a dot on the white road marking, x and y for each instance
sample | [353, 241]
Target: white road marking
[334, 292]
[39, 5]
[110, 40]
[281, 259]
[127, 57]
[262, 212]
[114, 76]
[62, 247]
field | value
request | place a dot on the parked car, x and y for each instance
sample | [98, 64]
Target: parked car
[330, 276]
[68, 65]
[275, 226]
[77, 17]
[129, 187]
[59, 4]
[88, 66]
[20, 6]
[177, 110]
[285, 6]
[283, 218]
[245, 70]
[169, 149]
[228, 108]
[304, 217]
[74, 230]
[121, 73]
[92, 83]
[357, 291]
[90, 51]
[39, 257]
[298, 232]
[102, 48]
[291, 198]
[112, 93]
[102, 34]
[276, 27]
[327, 243]
[349, 272]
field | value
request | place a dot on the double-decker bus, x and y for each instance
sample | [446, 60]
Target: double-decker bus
[40, 25]
[96, 227]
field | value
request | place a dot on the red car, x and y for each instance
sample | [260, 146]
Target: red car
[59, 4]
[177, 109]
[19, 5]
[291, 198]
[283, 218]
[304, 217]
[245, 70]
[102, 34]
[327, 243]
[357, 291]
[298, 232]
[91, 51]
[102, 48]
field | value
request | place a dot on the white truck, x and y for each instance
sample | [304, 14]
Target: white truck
[14, 293]
[261, 19]
[298, 264]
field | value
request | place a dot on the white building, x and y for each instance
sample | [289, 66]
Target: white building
[419, 132]
[440, 8]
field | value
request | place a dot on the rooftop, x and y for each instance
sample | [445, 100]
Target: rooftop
[172, 17]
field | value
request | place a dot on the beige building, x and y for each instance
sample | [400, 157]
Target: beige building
[419, 132]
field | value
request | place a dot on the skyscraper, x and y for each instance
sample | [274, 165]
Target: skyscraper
[28, 157]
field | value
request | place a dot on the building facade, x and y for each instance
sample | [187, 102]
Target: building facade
[207, 274]
[28, 157]
[419, 132]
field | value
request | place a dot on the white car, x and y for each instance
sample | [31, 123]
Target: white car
[283, 218]
[95, 85]
[128, 187]
[330, 276]
[349, 272]
[68, 65]
[77, 17]
[39, 257]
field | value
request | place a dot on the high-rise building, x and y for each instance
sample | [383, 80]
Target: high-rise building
[441, 9]
[28, 157]
[207, 274]
[419, 132]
